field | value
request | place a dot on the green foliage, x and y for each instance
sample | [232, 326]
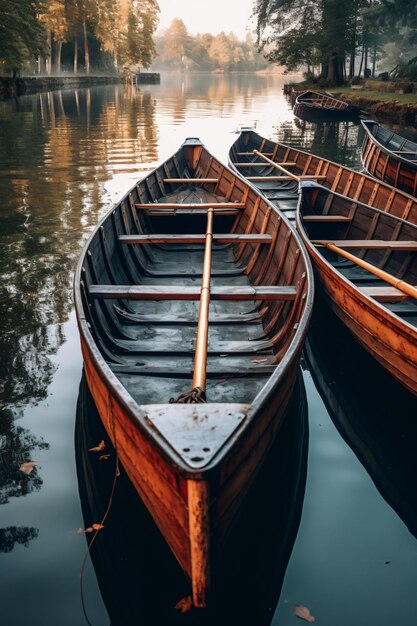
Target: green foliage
[297, 33]
[22, 34]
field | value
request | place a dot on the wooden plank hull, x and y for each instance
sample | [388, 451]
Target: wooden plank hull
[312, 106]
[358, 296]
[389, 157]
[369, 216]
[139, 580]
[139, 312]
[390, 341]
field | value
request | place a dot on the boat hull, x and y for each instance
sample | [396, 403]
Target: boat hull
[384, 164]
[139, 299]
[312, 106]
[390, 338]
[391, 342]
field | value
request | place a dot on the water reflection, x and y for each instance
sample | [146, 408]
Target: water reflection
[139, 577]
[13, 535]
[373, 413]
[16, 447]
[336, 141]
[64, 156]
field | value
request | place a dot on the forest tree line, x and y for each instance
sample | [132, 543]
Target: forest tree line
[178, 49]
[342, 38]
[94, 34]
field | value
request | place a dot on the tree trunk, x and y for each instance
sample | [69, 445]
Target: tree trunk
[362, 57]
[115, 60]
[58, 56]
[86, 51]
[335, 72]
[75, 55]
[374, 61]
[49, 53]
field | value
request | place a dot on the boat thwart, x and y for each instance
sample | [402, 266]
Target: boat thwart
[193, 297]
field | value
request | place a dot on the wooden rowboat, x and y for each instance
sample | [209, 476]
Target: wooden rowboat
[390, 157]
[139, 578]
[312, 106]
[366, 262]
[193, 396]
[277, 169]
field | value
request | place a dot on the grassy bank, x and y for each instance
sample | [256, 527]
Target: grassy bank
[384, 100]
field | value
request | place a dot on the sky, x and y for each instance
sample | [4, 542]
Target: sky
[207, 16]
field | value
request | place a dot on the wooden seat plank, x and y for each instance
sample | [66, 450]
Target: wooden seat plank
[261, 164]
[190, 180]
[377, 244]
[192, 205]
[181, 372]
[326, 218]
[169, 292]
[385, 293]
[194, 239]
[177, 212]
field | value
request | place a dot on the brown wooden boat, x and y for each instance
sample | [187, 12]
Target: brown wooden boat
[191, 395]
[366, 262]
[312, 106]
[277, 169]
[390, 157]
[139, 578]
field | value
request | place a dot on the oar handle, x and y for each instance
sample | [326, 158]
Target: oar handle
[385, 276]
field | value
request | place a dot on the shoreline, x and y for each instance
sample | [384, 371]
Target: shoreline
[28, 85]
[402, 113]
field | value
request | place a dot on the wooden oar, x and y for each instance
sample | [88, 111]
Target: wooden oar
[385, 276]
[200, 358]
[287, 172]
[277, 166]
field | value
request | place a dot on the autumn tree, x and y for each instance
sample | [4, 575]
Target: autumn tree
[175, 43]
[22, 34]
[55, 23]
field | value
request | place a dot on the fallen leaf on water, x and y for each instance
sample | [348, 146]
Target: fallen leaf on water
[94, 527]
[304, 613]
[104, 457]
[185, 604]
[27, 467]
[259, 361]
[98, 448]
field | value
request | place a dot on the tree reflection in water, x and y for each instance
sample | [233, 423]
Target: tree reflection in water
[16, 534]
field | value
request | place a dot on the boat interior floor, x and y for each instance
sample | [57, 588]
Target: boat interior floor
[150, 344]
[363, 279]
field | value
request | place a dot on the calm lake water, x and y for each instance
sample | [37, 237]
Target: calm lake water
[64, 158]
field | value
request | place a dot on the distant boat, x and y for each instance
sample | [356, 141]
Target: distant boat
[313, 106]
[139, 578]
[390, 157]
[193, 397]
[366, 264]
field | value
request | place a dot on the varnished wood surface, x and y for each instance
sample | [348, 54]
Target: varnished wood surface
[389, 157]
[136, 299]
[360, 296]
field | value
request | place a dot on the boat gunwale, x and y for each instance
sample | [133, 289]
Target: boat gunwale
[400, 325]
[366, 175]
[137, 413]
[397, 157]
